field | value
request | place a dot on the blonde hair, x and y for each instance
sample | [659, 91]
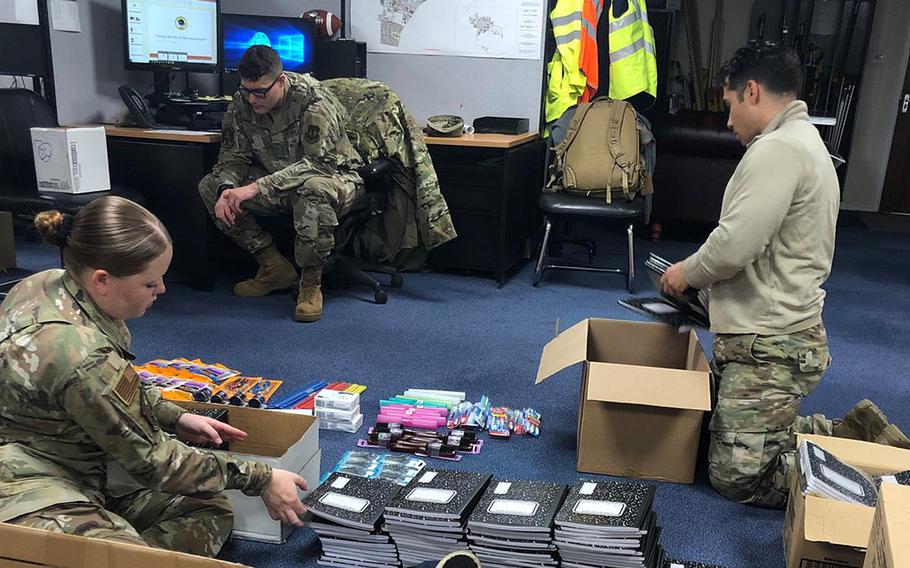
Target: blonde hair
[110, 233]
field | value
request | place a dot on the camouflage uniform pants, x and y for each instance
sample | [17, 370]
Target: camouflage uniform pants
[173, 522]
[315, 208]
[762, 381]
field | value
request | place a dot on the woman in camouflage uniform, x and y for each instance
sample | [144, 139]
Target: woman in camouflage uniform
[71, 404]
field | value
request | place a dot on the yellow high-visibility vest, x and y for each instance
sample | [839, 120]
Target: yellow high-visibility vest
[633, 55]
[572, 73]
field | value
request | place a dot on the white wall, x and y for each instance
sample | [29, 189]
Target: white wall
[883, 79]
[88, 66]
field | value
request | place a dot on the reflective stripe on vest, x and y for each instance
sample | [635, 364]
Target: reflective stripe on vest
[573, 72]
[633, 56]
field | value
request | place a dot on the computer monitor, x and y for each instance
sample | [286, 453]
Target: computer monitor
[171, 35]
[292, 38]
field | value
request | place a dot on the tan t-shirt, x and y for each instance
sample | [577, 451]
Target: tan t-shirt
[774, 244]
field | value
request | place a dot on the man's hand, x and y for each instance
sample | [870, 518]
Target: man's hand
[674, 282]
[228, 205]
[200, 429]
[280, 497]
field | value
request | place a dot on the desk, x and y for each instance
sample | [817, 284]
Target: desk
[167, 166]
[491, 183]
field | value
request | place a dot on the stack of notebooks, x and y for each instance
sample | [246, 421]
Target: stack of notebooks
[603, 523]
[823, 475]
[682, 313]
[427, 518]
[512, 524]
[347, 512]
[900, 478]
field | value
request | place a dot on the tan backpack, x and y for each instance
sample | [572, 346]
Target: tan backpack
[600, 155]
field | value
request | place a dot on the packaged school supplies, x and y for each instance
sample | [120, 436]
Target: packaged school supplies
[429, 443]
[500, 421]
[215, 372]
[398, 469]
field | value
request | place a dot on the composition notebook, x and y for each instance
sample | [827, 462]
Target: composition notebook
[688, 564]
[440, 493]
[689, 311]
[518, 506]
[355, 502]
[610, 506]
[822, 474]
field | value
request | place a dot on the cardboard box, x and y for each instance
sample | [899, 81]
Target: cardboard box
[283, 440]
[7, 241]
[71, 160]
[644, 391]
[891, 524]
[833, 533]
[23, 547]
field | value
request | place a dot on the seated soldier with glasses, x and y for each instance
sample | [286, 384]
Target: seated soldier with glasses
[283, 150]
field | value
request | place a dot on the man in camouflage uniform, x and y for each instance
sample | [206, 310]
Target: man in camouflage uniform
[284, 149]
[71, 407]
[765, 263]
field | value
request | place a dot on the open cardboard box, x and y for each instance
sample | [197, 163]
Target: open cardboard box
[834, 533]
[23, 547]
[644, 391]
[888, 546]
[282, 440]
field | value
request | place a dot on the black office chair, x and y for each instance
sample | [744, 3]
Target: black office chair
[20, 110]
[563, 208]
[341, 266]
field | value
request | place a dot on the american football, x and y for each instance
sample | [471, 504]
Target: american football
[327, 24]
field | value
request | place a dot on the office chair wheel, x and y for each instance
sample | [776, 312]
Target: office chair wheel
[397, 281]
[380, 297]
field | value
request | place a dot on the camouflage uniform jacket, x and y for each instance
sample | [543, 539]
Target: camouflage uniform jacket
[379, 126]
[71, 403]
[282, 148]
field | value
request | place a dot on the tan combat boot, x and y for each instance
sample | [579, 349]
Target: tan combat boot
[868, 423]
[309, 299]
[275, 273]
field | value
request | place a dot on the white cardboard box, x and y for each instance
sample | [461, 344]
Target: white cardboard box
[71, 160]
[279, 439]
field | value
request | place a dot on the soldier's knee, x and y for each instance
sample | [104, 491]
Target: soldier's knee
[208, 190]
[739, 488]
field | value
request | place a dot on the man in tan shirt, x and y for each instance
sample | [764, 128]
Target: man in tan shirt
[765, 264]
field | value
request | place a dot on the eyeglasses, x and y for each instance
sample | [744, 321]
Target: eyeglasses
[258, 93]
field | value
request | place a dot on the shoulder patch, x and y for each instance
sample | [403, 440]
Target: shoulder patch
[312, 134]
[227, 136]
[127, 386]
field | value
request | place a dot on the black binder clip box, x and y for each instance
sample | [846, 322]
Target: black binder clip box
[500, 125]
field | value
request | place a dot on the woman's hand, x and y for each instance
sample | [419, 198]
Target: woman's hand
[200, 429]
[280, 497]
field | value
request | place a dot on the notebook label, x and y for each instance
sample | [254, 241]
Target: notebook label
[427, 477]
[502, 488]
[340, 482]
[587, 489]
[599, 508]
[513, 507]
[843, 482]
[430, 495]
[346, 502]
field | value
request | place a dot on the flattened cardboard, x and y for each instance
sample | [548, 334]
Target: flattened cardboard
[29, 548]
[823, 530]
[888, 546]
[644, 392]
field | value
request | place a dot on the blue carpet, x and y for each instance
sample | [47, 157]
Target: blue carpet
[451, 331]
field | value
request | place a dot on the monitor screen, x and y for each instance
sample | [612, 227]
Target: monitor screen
[292, 38]
[180, 35]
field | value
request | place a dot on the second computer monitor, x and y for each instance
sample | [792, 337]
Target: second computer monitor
[292, 38]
